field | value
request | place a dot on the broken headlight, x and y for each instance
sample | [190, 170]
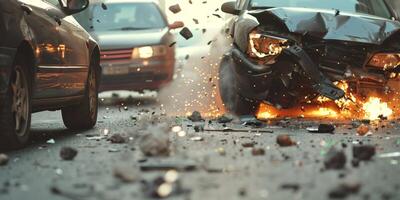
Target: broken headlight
[385, 61]
[266, 47]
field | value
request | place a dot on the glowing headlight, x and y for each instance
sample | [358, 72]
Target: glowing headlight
[262, 46]
[148, 51]
[385, 61]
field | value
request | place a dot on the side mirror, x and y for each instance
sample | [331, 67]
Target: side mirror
[176, 25]
[230, 8]
[73, 6]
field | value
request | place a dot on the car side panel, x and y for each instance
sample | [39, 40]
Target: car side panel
[59, 72]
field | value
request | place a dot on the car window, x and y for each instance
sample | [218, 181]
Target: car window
[122, 16]
[373, 7]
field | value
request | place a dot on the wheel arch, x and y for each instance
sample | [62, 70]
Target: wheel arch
[25, 49]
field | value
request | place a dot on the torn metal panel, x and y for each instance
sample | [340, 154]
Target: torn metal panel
[326, 24]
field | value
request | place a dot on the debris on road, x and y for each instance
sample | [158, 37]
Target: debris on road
[68, 153]
[117, 139]
[51, 141]
[196, 138]
[164, 186]
[335, 159]
[175, 8]
[257, 151]
[126, 174]
[186, 33]
[248, 144]
[196, 117]
[179, 164]
[344, 190]
[285, 141]
[225, 118]
[363, 152]
[290, 186]
[155, 142]
[3, 159]
[198, 128]
[389, 155]
[363, 129]
[322, 128]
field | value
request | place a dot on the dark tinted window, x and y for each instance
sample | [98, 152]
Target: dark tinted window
[373, 7]
[122, 16]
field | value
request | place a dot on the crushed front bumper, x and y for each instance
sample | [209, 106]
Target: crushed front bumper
[256, 80]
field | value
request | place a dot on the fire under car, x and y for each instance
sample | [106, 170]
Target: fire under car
[135, 40]
[286, 52]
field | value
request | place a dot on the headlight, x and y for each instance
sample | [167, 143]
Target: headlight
[386, 61]
[266, 46]
[149, 51]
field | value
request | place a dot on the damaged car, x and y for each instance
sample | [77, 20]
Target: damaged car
[287, 52]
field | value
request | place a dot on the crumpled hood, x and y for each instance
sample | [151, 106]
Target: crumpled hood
[326, 24]
[129, 39]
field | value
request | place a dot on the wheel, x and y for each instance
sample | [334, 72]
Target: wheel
[15, 108]
[228, 92]
[83, 116]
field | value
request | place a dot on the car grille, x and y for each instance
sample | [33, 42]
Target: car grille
[116, 55]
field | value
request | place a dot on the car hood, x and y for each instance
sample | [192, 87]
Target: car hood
[129, 39]
[332, 24]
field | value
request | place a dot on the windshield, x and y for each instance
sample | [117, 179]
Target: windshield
[121, 16]
[372, 7]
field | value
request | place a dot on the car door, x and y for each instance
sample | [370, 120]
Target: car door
[75, 58]
[58, 73]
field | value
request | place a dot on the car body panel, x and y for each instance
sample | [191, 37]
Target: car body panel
[60, 47]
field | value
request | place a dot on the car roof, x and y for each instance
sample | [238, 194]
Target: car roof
[124, 1]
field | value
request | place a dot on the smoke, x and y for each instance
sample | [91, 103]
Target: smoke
[195, 86]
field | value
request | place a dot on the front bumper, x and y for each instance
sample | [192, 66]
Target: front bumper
[294, 75]
[140, 74]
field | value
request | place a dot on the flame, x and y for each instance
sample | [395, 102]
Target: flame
[349, 107]
[374, 108]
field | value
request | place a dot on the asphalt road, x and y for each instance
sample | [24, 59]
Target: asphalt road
[211, 164]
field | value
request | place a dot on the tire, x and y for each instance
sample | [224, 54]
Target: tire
[16, 107]
[83, 116]
[233, 102]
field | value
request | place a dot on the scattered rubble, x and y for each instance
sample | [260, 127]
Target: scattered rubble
[164, 186]
[126, 174]
[363, 129]
[225, 119]
[344, 190]
[196, 138]
[198, 128]
[3, 159]
[196, 117]
[363, 152]
[257, 151]
[117, 139]
[68, 153]
[186, 33]
[155, 142]
[248, 144]
[335, 159]
[285, 141]
[322, 128]
[175, 8]
[290, 186]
